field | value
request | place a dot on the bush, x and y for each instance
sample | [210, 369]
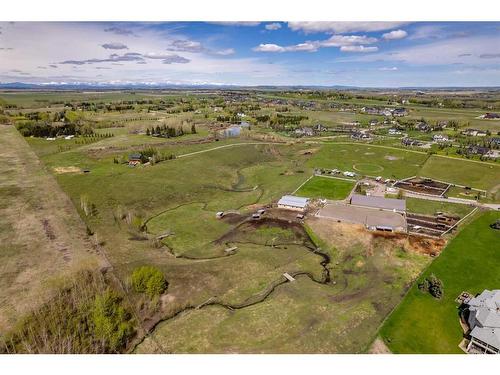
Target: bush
[110, 320]
[432, 285]
[149, 280]
[435, 286]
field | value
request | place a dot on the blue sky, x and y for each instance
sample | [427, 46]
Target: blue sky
[370, 54]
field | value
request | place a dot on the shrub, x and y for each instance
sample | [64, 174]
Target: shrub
[435, 286]
[432, 285]
[110, 320]
[149, 280]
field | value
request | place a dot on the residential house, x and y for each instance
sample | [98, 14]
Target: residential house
[399, 112]
[307, 132]
[491, 116]
[484, 322]
[394, 132]
[477, 150]
[410, 142]
[474, 132]
[440, 138]
[362, 136]
[423, 127]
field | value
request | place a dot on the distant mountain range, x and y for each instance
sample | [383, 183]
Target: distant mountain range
[142, 86]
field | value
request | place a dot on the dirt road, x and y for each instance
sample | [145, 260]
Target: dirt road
[42, 238]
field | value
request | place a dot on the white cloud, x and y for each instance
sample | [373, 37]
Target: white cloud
[388, 69]
[225, 52]
[269, 47]
[427, 32]
[185, 45]
[301, 47]
[358, 49]
[313, 46]
[39, 44]
[395, 34]
[273, 26]
[309, 27]
[346, 40]
[440, 52]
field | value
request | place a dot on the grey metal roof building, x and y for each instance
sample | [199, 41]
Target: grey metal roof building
[484, 321]
[293, 202]
[378, 202]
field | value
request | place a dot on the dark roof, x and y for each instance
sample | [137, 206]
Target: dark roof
[378, 202]
[136, 156]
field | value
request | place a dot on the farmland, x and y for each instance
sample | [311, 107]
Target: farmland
[327, 188]
[225, 289]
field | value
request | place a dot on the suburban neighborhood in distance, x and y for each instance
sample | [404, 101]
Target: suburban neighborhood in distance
[249, 187]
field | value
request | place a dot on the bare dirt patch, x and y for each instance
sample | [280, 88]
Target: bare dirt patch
[419, 244]
[379, 347]
[343, 235]
[72, 169]
[390, 157]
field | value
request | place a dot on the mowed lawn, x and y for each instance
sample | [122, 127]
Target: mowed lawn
[369, 160]
[471, 262]
[428, 207]
[325, 187]
[463, 172]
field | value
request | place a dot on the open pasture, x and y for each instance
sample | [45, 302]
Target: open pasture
[478, 175]
[372, 160]
[326, 188]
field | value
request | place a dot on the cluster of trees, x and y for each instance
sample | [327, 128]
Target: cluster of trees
[86, 317]
[149, 280]
[169, 131]
[432, 285]
[263, 118]
[282, 122]
[47, 129]
[228, 118]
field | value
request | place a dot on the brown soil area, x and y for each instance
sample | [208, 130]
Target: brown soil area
[60, 170]
[379, 347]
[343, 235]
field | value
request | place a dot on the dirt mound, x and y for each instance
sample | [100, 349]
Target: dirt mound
[419, 244]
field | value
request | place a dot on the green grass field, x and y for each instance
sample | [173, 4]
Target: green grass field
[369, 273]
[428, 207]
[304, 316]
[369, 160]
[326, 188]
[470, 262]
[463, 172]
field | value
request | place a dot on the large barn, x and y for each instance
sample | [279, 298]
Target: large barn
[398, 205]
[291, 202]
